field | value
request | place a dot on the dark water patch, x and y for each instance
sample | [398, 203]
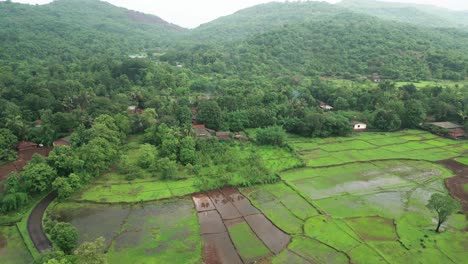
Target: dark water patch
[95, 221]
[218, 248]
[211, 222]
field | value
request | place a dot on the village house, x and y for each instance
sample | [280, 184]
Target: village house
[26, 145]
[453, 130]
[325, 106]
[359, 126]
[201, 131]
[375, 78]
[223, 136]
[62, 142]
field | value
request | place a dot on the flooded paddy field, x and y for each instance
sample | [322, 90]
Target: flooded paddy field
[158, 232]
[373, 212]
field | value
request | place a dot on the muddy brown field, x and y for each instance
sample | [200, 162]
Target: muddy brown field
[218, 210]
[24, 156]
[455, 184]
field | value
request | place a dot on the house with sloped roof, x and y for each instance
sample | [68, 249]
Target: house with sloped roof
[450, 129]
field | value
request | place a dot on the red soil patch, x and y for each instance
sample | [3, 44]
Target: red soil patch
[223, 204]
[220, 209]
[202, 202]
[24, 156]
[242, 204]
[455, 184]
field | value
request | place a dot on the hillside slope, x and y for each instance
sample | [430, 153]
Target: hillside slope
[66, 28]
[421, 15]
[329, 41]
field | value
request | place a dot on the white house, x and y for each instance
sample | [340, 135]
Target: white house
[359, 126]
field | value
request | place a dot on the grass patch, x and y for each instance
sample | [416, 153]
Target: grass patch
[246, 242]
[373, 228]
[332, 232]
[129, 192]
[315, 251]
[12, 248]
[463, 160]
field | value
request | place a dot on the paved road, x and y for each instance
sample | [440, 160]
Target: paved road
[36, 233]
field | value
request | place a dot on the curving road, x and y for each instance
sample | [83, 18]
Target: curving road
[36, 233]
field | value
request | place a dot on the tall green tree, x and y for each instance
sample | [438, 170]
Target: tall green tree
[443, 206]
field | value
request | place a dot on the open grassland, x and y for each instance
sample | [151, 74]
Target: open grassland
[12, 248]
[159, 232]
[372, 212]
[361, 147]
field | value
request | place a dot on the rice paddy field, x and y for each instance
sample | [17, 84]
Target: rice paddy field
[362, 199]
[362, 147]
[359, 199]
[157, 232]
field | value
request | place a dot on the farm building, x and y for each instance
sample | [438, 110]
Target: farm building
[359, 126]
[202, 132]
[375, 78]
[26, 145]
[223, 135]
[452, 130]
[325, 106]
[62, 142]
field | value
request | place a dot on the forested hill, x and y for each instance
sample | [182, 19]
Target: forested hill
[323, 39]
[422, 15]
[261, 19]
[67, 29]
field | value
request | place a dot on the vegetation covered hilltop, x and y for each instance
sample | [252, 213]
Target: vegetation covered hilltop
[132, 109]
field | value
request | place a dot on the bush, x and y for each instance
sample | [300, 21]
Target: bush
[271, 136]
[65, 236]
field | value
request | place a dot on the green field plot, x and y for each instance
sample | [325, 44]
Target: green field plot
[136, 191]
[159, 232]
[373, 228]
[316, 252]
[275, 158]
[407, 144]
[12, 248]
[246, 242]
[287, 256]
[277, 212]
[463, 160]
[333, 232]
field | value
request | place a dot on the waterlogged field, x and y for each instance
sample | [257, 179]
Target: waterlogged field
[12, 248]
[372, 212]
[159, 232]
[408, 144]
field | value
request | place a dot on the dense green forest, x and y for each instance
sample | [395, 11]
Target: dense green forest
[65, 70]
